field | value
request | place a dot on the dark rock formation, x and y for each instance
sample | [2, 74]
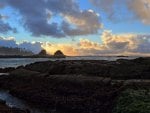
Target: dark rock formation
[120, 69]
[75, 86]
[23, 72]
[64, 93]
[6, 70]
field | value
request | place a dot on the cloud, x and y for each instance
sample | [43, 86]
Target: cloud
[5, 27]
[105, 5]
[85, 43]
[120, 44]
[84, 22]
[35, 19]
[35, 47]
[2, 5]
[63, 7]
[112, 44]
[125, 9]
[67, 49]
[143, 44]
[8, 42]
[141, 8]
[30, 46]
[115, 10]
[2, 17]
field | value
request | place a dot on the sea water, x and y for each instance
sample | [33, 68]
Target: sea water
[15, 62]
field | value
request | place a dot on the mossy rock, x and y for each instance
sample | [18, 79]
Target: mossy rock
[133, 101]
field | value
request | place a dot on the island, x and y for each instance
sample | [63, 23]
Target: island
[41, 54]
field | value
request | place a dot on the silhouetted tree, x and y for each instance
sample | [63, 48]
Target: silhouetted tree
[14, 51]
[59, 53]
[42, 52]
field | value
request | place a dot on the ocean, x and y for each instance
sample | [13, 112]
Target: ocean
[15, 62]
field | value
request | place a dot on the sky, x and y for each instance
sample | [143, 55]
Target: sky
[77, 27]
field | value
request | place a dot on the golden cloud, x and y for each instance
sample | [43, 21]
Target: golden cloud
[141, 9]
[112, 44]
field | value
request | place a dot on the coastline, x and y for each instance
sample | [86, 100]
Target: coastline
[33, 56]
[77, 86]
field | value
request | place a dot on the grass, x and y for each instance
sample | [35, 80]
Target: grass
[133, 101]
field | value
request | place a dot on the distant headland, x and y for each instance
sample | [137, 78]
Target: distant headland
[41, 54]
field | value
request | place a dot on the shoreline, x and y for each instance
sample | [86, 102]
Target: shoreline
[34, 56]
[6, 109]
[77, 86]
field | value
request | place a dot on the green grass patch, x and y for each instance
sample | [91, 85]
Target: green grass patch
[133, 101]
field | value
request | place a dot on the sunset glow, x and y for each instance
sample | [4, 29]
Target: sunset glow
[77, 27]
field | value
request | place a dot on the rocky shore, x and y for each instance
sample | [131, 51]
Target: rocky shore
[5, 109]
[76, 86]
[121, 69]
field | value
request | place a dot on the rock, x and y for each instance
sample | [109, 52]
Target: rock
[76, 86]
[17, 110]
[107, 81]
[6, 70]
[74, 93]
[2, 102]
[6, 109]
[23, 72]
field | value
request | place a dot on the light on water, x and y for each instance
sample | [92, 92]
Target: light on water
[12, 101]
[15, 62]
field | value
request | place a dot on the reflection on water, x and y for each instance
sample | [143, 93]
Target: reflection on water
[1, 74]
[109, 58]
[15, 62]
[15, 102]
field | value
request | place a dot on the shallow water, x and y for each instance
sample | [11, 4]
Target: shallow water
[15, 62]
[109, 58]
[12, 101]
[1, 74]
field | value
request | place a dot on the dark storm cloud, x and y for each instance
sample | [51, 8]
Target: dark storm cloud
[35, 18]
[63, 6]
